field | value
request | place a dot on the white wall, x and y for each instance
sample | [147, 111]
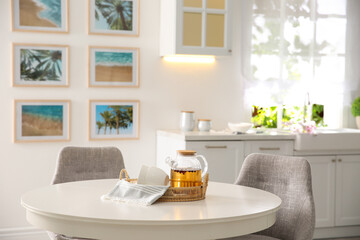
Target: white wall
[212, 91]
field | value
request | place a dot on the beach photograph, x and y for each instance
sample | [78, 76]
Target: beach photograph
[40, 15]
[113, 67]
[114, 16]
[113, 120]
[42, 120]
[40, 65]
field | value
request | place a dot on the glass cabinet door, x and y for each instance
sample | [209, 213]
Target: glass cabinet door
[192, 29]
[216, 4]
[193, 3]
[215, 30]
[203, 23]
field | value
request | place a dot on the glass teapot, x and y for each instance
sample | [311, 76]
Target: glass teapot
[186, 169]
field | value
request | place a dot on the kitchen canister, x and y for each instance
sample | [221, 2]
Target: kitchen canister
[187, 121]
[204, 125]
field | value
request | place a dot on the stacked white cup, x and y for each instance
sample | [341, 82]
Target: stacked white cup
[187, 121]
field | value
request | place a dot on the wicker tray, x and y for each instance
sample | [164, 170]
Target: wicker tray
[177, 194]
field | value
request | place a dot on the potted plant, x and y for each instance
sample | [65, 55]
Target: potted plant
[355, 110]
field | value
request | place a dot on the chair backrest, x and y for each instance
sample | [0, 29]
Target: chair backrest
[290, 179]
[88, 163]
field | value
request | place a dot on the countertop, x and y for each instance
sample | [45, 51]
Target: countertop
[228, 136]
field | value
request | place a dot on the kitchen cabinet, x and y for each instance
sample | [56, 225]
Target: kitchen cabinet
[336, 192]
[347, 190]
[323, 184]
[224, 158]
[280, 147]
[225, 153]
[195, 27]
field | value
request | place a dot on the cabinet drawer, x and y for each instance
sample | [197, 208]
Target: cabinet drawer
[224, 158]
[271, 147]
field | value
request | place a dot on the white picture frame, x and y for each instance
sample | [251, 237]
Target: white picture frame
[39, 16]
[101, 17]
[39, 65]
[113, 67]
[114, 119]
[41, 120]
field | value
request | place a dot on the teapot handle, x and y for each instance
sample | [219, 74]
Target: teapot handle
[205, 165]
[170, 162]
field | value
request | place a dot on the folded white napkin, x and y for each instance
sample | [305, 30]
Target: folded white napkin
[135, 193]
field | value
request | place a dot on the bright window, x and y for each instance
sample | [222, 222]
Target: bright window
[296, 46]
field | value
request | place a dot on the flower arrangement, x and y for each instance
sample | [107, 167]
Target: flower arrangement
[301, 127]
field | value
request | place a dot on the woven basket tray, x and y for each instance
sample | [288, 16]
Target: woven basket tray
[177, 194]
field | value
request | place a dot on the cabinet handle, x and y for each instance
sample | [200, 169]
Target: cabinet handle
[333, 160]
[207, 146]
[267, 149]
[340, 160]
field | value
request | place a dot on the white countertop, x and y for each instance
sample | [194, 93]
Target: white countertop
[228, 136]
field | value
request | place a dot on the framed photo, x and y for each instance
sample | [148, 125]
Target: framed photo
[40, 15]
[113, 67]
[114, 119]
[40, 65]
[114, 17]
[42, 120]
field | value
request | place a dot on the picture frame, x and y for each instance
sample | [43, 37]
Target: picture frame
[40, 65]
[48, 16]
[41, 120]
[112, 17]
[113, 67]
[114, 119]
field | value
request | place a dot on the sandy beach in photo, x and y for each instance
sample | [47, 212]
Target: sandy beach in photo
[29, 15]
[33, 125]
[113, 73]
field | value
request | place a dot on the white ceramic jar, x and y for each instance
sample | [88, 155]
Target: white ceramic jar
[204, 125]
[187, 121]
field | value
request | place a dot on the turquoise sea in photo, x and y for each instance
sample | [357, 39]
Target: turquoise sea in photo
[114, 58]
[98, 118]
[52, 10]
[53, 112]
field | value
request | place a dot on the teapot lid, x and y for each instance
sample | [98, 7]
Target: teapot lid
[186, 152]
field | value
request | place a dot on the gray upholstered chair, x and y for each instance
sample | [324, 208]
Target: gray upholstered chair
[86, 163]
[290, 179]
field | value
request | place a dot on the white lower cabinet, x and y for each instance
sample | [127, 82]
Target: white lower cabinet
[335, 181]
[224, 158]
[347, 190]
[323, 184]
[279, 147]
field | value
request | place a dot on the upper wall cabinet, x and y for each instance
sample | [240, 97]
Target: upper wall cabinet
[195, 27]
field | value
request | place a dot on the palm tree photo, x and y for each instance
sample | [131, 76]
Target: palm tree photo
[99, 126]
[114, 118]
[106, 115]
[117, 14]
[40, 65]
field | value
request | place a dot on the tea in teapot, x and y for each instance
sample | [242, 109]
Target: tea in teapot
[186, 169]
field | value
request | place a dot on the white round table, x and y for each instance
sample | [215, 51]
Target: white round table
[75, 209]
